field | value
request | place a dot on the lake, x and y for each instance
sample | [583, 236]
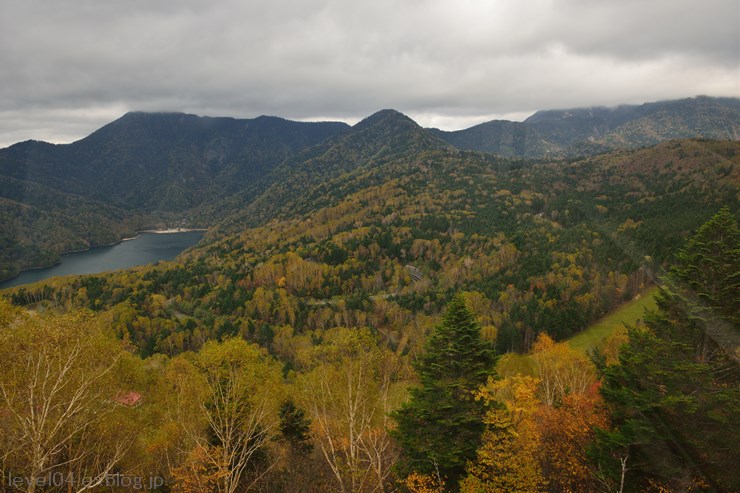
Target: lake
[146, 248]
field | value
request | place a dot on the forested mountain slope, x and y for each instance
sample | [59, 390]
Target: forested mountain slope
[37, 223]
[307, 325]
[333, 399]
[588, 131]
[164, 161]
[143, 170]
[297, 184]
[538, 247]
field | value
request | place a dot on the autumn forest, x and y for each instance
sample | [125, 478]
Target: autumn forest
[377, 309]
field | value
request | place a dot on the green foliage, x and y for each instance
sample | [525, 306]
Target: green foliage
[675, 394]
[707, 267]
[295, 426]
[551, 248]
[440, 428]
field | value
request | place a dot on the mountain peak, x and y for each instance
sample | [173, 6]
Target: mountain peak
[385, 116]
[150, 115]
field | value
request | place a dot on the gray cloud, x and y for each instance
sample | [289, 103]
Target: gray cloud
[70, 66]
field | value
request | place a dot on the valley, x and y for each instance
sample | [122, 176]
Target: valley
[154, 170]
[371, 305]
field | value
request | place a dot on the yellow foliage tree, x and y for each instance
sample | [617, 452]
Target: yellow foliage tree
[197, 474]
[423, 483]
[507, 460]
[231, 392]
[349, 389]
[561, 369]
[59, 381]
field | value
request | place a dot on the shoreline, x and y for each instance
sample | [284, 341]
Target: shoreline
[138, 233]
[167, 231]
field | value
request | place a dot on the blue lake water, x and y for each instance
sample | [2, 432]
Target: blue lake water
[146, 248]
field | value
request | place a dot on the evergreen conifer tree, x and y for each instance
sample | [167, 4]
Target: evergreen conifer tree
[440, 428]
[675, 393]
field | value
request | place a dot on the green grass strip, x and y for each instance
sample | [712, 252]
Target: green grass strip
[629, 313]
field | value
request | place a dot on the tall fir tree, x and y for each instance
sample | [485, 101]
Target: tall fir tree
[675, 393]
[440, 428]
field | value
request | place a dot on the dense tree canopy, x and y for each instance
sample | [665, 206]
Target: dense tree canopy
[675, 394]
[61, 385]
[274, 353]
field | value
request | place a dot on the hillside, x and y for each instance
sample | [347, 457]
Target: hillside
[164, 161]
[142, 170]
[321, 300]
[300, 183]
[501, 137]
[587, 131]
[38, 223]
[538, 247]
[153, 169]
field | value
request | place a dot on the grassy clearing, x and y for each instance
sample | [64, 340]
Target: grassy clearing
[629, 313]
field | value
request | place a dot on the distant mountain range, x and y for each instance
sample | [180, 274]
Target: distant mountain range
[155, 169]
[164, 161]
[589, 131]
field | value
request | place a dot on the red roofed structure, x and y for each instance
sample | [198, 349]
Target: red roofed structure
[130, 398]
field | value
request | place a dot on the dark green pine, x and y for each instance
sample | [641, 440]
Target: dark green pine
[295, 426]
[439, 429]
[708, 267]
[675, 394]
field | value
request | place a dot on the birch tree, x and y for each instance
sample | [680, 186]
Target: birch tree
[237, 388]
[62, 428]
[561, 369]
[349, 389]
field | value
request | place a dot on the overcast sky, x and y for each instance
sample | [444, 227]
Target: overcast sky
[70, 66]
